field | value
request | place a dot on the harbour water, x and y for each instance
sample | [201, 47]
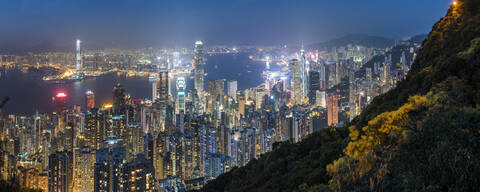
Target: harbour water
[29, 93]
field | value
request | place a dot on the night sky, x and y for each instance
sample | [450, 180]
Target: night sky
[162, 23]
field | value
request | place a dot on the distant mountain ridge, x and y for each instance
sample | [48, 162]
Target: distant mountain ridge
[418, 38]
[355, 39]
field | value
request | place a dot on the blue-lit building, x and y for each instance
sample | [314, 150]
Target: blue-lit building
[215, 165]
[171, 184]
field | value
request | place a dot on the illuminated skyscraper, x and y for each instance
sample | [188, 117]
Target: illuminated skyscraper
[60, 106]
[154, 91]
[215, 95]
[60, 102]
[69, 137]
[323, 83]
[94, 128]
[118, 99]
[83, 170]
[181, 86]
[332, 108]
[232, 89]
[386, 70]
[89, 99]
[295, 80]
[148, 145]
[314, 86]
[78, 57]
[215, 165]
[304, 73]
[199, 65]
[162, 86]
[139, 175]
[60, 172]
[403, 61]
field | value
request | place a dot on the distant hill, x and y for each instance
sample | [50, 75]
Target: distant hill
[419, 38]
[355, 39]
[48, 46]
[423, 135]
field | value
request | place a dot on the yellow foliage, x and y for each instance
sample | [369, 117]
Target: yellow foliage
[383, 131]
[353, 133]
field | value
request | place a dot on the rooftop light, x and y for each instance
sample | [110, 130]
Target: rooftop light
[61, 94]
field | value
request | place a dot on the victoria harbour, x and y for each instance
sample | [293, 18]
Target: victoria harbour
[29, 93]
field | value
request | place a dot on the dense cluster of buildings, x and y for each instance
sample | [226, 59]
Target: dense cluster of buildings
[185, 135]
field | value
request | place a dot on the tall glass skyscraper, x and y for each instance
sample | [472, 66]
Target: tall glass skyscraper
[296, 80]
[78, 57]
[199, 67]
[303, 73]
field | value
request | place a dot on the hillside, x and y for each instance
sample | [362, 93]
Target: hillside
[423, 135]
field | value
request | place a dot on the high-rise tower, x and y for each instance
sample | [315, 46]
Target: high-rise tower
[180, 84]
[386, 70]
[296, 81]
[332, 110]
[89, 99]
[162, 86]
[303, 73]
[199, 67]
[78, 57]
[323, 83]
[119, 104]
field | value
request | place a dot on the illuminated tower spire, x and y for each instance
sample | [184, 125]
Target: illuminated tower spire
[79, 57]
[267, 63]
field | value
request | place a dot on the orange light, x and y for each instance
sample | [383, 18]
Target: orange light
[455, 2]
[107, 106]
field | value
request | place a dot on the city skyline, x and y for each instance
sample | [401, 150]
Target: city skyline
[240, 95]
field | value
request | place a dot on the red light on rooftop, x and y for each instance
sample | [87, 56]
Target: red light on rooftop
[61, 94]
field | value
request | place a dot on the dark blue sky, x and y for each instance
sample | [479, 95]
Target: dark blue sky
[141, 23]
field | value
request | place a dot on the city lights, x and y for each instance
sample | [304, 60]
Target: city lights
[145, 105]
[61, 94]
[107, 106]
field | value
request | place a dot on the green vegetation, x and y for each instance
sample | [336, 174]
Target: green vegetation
[423, 135]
